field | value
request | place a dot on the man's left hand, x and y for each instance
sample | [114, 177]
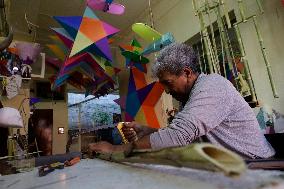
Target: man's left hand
[107, 148]
[101, 147]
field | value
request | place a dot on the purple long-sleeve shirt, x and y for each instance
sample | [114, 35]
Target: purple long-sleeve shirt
[215, 109]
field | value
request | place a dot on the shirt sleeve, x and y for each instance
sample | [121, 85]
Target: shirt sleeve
[203, 112]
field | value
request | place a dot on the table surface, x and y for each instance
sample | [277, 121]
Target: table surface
[95, 173]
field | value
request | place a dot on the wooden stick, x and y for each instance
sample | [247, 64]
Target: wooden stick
[199, 60]
[203, 54]
[151, 15]
[246, 67]
[226, 14]
[215, 63]
[241, 9]
[231, 50]
[267, 63]
[194, 7]
[260, 6]
[214, 53]
[205, 39]
[242, 84]
[224, 40]
[223, 57]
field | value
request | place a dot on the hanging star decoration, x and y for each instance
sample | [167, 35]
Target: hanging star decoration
[57, 48]
[132, 54]
[60, 48]
[89, 33]
[139, 103]
[75, 79]
[157, 40]
[88, 53]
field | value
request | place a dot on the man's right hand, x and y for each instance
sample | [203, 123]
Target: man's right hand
[134, 131]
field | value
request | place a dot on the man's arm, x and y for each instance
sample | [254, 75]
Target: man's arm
[133, 131]
[205, 111]
[142, 143]
[105, 147]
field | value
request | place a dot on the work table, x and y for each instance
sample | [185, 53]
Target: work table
[95, 173]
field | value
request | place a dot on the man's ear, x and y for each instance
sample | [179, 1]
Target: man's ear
[188, 72]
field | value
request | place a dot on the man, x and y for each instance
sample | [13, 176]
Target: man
[40, 132]
[213, 110]
[43, 131]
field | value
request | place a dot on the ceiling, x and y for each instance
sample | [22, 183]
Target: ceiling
[40, 12]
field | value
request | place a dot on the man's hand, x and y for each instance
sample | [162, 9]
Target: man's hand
[107, 148]
[134, 131]
[101, 147]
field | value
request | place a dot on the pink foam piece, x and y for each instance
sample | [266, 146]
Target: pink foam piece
[96, 4]
[114, 8]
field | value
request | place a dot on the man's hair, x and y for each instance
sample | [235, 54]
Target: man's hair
[174, 58]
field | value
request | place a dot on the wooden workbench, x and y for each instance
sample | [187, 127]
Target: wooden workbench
[98, 174]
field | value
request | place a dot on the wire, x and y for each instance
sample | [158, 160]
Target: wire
[151, 15]
[29, 22]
